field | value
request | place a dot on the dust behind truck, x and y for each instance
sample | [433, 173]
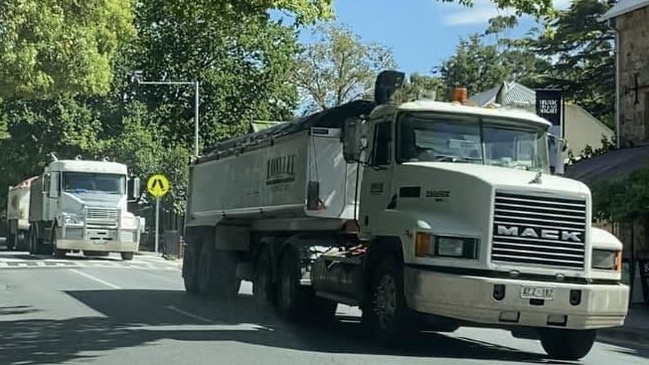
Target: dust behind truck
[426, 215]
[81, 205]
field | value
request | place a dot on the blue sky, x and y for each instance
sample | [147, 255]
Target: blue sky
[421, 33]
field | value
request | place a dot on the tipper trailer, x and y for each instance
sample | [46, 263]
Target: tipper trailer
[424, 214]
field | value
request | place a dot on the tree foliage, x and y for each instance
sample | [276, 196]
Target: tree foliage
[338, 67]
[623, 199]
[584, 58]
[480, 67]
[51, 47]
[420, 86]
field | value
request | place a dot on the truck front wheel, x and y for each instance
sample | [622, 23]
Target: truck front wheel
[562, 344]
[387, 315]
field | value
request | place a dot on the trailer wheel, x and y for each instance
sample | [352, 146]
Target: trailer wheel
[207, 284]
[562, 344]
[290, 299]
[217, 273]
[387, 315]
[264, 290]
[190, 269]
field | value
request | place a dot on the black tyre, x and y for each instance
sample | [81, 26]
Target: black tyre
[386, 314]
[290, 297]
[563, 344]
[207, 283]
[190, 269]
[217, 276]
[264, 290]
[11, 242]
[127, 256]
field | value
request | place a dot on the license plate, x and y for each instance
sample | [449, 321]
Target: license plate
[535, 292]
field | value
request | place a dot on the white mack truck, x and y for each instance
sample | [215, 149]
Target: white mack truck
[18, 214]
[81, 205]
[426, 215]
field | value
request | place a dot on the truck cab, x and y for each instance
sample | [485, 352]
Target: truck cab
[461, 199]
[81, 205]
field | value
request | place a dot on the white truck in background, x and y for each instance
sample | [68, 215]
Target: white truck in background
[426, 215]
[81, 205]
[18, 215]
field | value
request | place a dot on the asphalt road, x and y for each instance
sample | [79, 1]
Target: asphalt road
[106, 311]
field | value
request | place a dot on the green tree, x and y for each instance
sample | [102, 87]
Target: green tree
[338, 67]
[480, 67]
[584, 57]
[51, 47]
[243, 66]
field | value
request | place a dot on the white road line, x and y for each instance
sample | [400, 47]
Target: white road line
[95, 279]
[177, 310]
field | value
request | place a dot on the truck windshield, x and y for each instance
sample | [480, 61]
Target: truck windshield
[81, 182]
[471, 139]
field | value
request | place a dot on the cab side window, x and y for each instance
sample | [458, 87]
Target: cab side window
[382, 138]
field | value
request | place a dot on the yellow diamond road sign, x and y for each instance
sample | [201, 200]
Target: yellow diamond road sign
[158, 185]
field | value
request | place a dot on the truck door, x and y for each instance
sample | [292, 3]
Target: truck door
[53, 191]
[376, 187]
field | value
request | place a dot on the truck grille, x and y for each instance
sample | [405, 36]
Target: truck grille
[539, 230]
[108, 216]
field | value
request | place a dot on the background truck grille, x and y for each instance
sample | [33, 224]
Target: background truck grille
[103, 215]
[539, 230]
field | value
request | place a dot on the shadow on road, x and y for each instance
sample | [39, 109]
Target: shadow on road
[137, 317]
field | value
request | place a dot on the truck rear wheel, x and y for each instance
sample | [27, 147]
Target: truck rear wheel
[190, 269]
[562, 344]
[127, 256]
[387, 315]
[217, 274]
[264, 290]
[296, 302]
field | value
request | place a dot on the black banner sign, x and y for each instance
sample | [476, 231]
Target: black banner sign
[548, 105]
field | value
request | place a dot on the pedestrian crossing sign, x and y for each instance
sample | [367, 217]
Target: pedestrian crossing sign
[158, 185]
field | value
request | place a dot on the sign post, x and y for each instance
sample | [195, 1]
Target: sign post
[158, 186]
[549, 105]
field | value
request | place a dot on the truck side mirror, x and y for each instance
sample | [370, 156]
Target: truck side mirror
[134, 188]
[352, 140]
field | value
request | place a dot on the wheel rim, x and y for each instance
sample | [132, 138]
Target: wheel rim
[386, 301]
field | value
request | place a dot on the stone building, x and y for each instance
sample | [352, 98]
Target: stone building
[630, 21]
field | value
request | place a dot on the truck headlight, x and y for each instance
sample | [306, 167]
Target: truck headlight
[606, 260]
[427, 245]
[72, 220]
[459, 247]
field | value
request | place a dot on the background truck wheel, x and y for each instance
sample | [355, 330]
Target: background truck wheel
[563, 344]
[264, 290]
[59, 254]
[190, 269]
[386, 314]
[21, 243]
[127, 256]
[11, 242]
